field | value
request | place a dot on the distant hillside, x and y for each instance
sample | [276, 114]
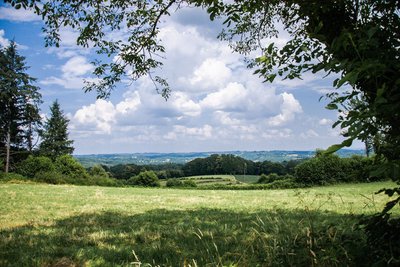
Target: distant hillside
[161, 158]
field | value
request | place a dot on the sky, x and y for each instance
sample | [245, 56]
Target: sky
[217, 104]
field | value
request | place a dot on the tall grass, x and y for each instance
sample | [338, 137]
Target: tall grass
[43, 225]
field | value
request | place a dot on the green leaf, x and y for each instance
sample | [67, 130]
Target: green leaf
[334, 148]
[331, 106]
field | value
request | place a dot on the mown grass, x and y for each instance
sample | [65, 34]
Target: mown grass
[45, 225]
[248, 179]
[207, 180]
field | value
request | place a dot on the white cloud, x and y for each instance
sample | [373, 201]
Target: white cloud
[212, 73]
[183, 103]
[129, 104]
[204, 132]
[229, 98]
[289, 107]
[23, 15]
[4, 42]
[325, 121]
[76, 66]
[99, 115]
[73, 74]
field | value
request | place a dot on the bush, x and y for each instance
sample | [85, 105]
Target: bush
[51, 177]
[322, 169]
[98, 171]
[33, 165]
[284, 184]
[266, 179]
[146, 178]
[69, 166]
[174, 183]
[189, 183]
[11, 176]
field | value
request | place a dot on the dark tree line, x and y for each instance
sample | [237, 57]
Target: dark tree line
[214, 164]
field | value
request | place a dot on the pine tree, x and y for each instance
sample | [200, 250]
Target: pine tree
[19, 105]
[54, 135]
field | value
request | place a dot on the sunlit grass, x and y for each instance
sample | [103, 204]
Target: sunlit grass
[97, 226]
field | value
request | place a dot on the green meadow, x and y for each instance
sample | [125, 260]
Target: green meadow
[64, 225]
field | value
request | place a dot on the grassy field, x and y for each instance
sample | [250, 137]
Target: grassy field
[47, 225]
[206, 180]
[248, 179]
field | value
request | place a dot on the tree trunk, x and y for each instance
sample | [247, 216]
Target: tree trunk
[8, 150]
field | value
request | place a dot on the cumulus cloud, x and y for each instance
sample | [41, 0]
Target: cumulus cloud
[98, 117]
[74, 72]
[212, 73]
[22, 15]
[228, 98]
[289, 107]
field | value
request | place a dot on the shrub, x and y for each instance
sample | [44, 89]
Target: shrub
[322, 169]
[174, 183]
[98, 171]
[69, 166]
[51, 177]
[11, 176]
[146, 178]
[33, 165]
[189, 183]
[284, 184]
[266, 179]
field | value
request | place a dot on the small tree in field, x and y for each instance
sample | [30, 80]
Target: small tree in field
[146, 178]
[55, 134]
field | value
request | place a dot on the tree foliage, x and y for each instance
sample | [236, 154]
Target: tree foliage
[55, 141]
[146, 179]
[19, 104]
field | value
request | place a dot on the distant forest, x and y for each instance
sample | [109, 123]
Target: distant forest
[214, 164]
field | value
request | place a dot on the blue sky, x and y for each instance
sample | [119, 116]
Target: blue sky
[216, 103]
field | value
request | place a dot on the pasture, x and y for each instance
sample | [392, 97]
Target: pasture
[64, 225]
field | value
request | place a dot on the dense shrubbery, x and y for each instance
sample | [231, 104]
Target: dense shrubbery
[328, 169]
[275, 181]
[33, 165]
[180, 183]
[69, 166]
[64, 170]
[146, 178]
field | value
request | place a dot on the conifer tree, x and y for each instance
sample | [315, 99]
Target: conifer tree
[54, 135]
[19, 105]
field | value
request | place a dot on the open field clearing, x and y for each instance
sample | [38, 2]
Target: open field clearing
[204, 180]
[249, 179]
[45, 225]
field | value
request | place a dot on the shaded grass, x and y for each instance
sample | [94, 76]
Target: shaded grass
[47, 225]
[207, 237]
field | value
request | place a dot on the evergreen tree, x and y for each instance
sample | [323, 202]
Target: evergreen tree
[19, 101]
[54, 135]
